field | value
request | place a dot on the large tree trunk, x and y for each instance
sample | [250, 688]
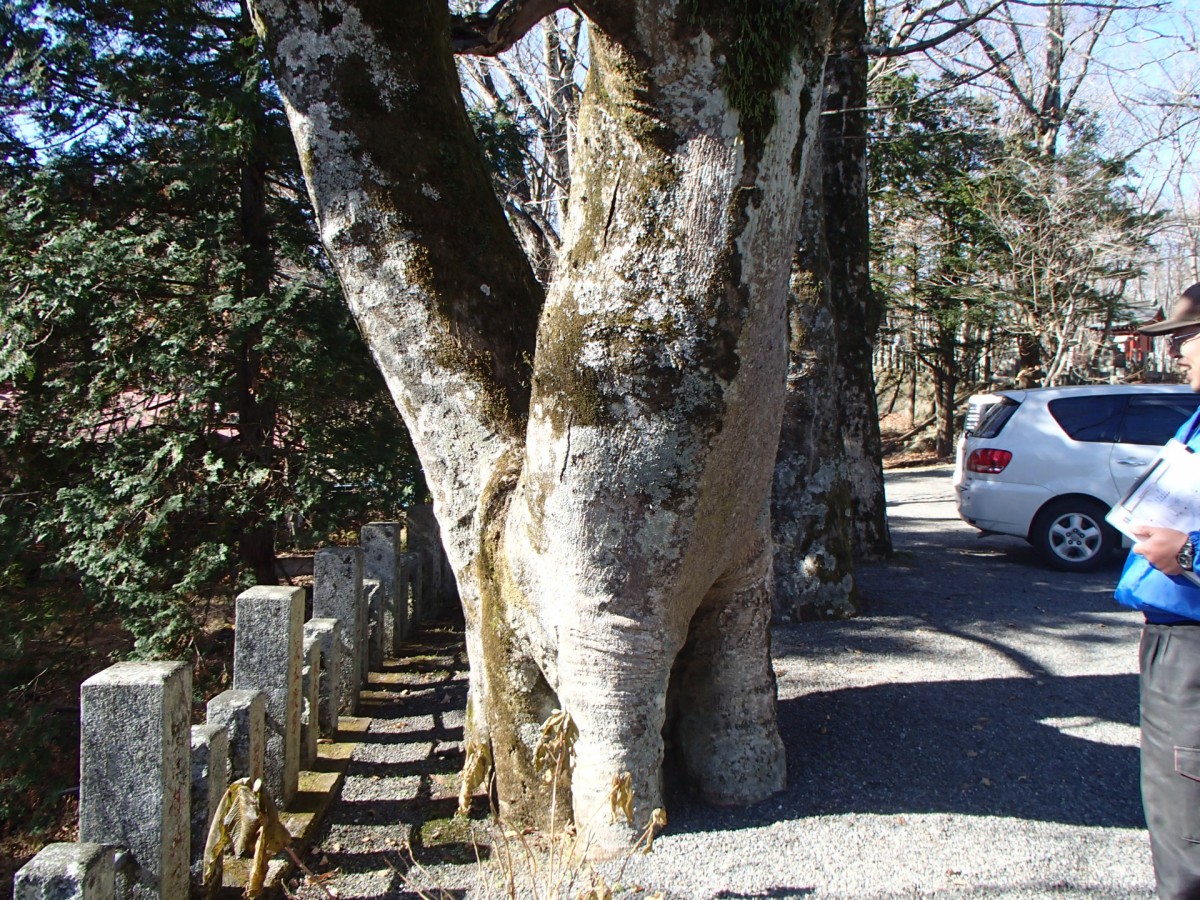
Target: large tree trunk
[811, 501]
[856, 309]
[602, 492]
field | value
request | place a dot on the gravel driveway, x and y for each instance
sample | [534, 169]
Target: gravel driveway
[973, 734]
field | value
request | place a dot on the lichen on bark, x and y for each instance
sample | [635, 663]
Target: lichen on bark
[759, 41]
[620, 529]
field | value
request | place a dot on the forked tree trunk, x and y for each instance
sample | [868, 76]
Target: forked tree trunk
[602, 490]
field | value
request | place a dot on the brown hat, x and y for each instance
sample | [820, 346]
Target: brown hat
[1186, 313]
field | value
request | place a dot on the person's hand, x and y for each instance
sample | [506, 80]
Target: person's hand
[1160, 546]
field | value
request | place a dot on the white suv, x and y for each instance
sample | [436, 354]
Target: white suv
[1046, 464]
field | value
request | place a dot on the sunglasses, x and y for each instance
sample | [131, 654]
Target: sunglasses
[1175, 347]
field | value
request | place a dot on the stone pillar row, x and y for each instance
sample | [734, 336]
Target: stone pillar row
[150, 781]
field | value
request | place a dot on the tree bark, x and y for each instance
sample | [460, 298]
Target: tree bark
[811, 499]
[856, 309]
[602, 489]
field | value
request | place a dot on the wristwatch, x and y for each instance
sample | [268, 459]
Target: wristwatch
[1186, 557]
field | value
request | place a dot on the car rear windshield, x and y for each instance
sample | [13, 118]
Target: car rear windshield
[1094, 418]
[996, 418]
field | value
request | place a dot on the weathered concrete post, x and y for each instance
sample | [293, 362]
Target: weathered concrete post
[382, 543]
[243, 716]
[376, 623]
[310, 684]
[329, 633]
[210, 779]
[267, 647]
[337, 594]
[67, 872]
[135, 771]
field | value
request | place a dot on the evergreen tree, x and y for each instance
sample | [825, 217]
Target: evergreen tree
[183, 379]
[931, 249]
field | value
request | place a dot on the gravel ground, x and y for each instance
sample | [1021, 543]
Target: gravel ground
[973, 734]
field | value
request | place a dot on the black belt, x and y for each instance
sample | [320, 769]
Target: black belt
[1150, 621]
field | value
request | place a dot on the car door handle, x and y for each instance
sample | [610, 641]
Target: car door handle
[1138, 463]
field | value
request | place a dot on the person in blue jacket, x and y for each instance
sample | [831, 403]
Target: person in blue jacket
[1155, 582]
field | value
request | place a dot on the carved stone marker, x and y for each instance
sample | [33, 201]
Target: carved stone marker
[382, 544]
[329, 633]
[210, 779]
[310, 683]
[438, 589]
[376, 623]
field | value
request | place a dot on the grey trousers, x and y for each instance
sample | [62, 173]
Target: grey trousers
[1170, 703]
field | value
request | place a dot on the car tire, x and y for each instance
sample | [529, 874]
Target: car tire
[1071, 534]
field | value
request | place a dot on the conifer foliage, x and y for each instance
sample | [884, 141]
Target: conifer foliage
[183, 387]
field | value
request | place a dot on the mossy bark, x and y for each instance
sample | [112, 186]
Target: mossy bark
[812, 504]
[603, 490]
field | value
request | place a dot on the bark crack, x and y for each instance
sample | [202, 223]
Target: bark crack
[612, 203]
[567, 452]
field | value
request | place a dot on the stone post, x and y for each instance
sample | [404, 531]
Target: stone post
[411, 585]
[67, 872]
[310, 682]
[267, 647]
[328, 632]
[376, 623]
[243, 716]
[210, 779]
[425, 537]
[135, 771]
[381, 544]
[337, 594]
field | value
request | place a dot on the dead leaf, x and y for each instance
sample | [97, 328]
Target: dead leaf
[246, 815]
[620, 797]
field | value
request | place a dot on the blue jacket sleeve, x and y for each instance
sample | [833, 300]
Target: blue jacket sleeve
[1142, 585]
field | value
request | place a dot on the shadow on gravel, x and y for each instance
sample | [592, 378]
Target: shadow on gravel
[400, 790]
[1051, 737]
[1010, 747]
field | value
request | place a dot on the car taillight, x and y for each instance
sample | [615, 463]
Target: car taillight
[988, 461]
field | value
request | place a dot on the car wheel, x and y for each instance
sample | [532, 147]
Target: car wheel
[1071, 535]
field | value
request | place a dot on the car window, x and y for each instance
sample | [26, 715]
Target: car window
[1094, 419]
[1154, 420]
[995, 418]
[977, 407]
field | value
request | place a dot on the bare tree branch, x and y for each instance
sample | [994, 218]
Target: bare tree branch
[493, 32]
[928, 44]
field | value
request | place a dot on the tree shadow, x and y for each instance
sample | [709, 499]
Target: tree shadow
[1045, 749]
